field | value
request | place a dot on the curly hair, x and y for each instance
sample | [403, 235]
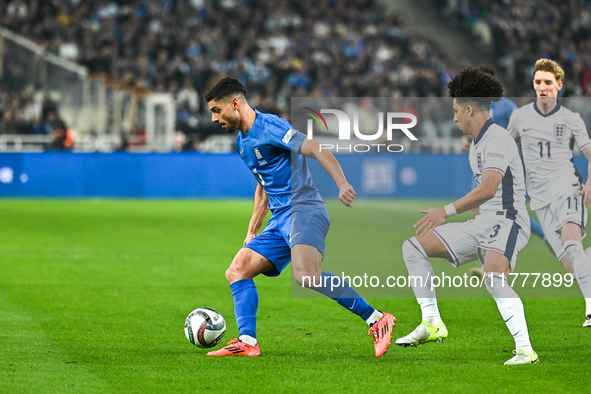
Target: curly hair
[476, 87]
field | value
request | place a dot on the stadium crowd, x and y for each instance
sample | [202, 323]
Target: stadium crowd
[522, 31]
[278, 49]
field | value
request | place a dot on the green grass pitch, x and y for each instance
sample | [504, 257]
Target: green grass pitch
[94, 293]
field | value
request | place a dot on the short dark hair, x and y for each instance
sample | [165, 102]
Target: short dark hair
[224, 88]
[476, 87]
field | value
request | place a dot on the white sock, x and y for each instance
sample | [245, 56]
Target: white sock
[511, 308]
[374, 318]
[248, 340]
[419, 267]
[582, 268]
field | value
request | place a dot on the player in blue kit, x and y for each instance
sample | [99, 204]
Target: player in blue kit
[276, 155]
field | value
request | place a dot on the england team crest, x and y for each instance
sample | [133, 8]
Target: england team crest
[559, 130]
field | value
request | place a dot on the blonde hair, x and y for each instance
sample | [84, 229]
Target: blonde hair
[550, 66]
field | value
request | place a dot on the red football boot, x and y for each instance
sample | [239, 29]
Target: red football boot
[237, 348]
[382, 333]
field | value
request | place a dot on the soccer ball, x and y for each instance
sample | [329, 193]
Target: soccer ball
[205, 327]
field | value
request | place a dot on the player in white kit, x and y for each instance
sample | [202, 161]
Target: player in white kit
[494, 237]
[547, 132]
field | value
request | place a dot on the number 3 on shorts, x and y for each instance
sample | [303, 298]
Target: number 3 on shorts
[496, 229]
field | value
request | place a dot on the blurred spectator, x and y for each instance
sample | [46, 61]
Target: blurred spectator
[342, 47]
[188, 96]
[522, 31]
[62, 138]
[183, 143]
[17, 9]
[279, 50]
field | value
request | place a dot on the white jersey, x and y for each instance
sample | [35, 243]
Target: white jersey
[547, 143]
[495, 150]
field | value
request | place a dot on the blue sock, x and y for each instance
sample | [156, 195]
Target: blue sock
[536, 228]
[344, 295]
[246, 303]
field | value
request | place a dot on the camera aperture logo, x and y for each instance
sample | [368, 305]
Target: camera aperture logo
[393, 123]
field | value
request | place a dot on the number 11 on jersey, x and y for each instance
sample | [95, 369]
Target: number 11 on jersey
[541, 144]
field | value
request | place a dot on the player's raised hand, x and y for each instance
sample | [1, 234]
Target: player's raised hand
[586, 193]
[433, 218]
[347, 194]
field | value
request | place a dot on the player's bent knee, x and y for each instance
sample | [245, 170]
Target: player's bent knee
[239, 268]
[235, 272]
[309, 278]
[496, 262]
[301, 280]
[407, 248]
[572, 231]
[230, 276]
[246, 265]
[427, 246]
[412, 251]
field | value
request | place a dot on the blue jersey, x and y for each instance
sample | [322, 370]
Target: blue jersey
[268, 149]
[500, 111]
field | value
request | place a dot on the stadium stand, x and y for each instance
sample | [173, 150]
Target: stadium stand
[520, 32]
[278, 50]
[293, 48]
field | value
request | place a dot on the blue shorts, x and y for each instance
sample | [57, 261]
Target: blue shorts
[303, 224]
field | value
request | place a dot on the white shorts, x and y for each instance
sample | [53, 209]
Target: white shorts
[552, 217]
[469, 241]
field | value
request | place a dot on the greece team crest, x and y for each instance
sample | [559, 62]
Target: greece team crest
[559, 130]
[259, 157]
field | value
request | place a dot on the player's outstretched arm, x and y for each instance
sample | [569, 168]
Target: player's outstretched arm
[480, 194]
[586, 192]
[259, 213]
[311, 148]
